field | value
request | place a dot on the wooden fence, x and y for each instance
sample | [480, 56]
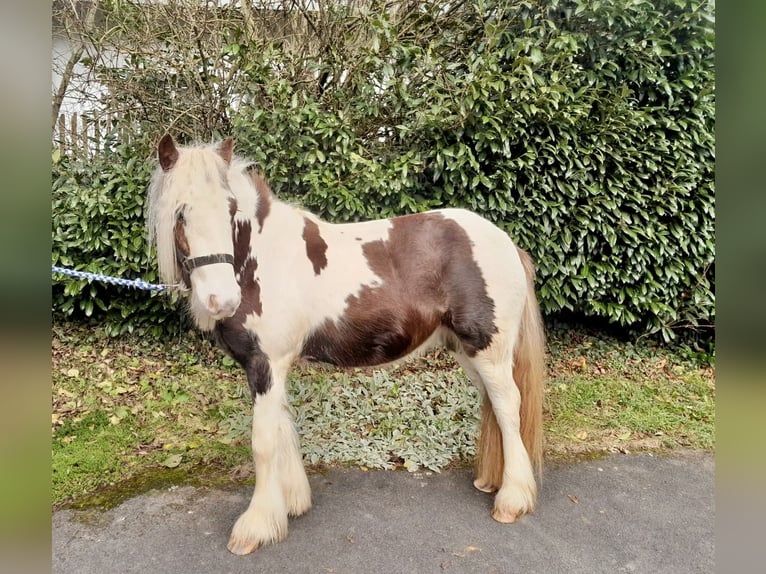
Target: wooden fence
[85, 135]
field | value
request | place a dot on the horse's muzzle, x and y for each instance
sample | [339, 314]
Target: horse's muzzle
[222, 308]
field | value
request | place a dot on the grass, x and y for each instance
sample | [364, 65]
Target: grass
[604, 395]
[132, 413]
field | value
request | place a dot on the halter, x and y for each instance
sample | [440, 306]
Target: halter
[190, 264]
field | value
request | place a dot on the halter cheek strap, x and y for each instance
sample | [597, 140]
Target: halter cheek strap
[190, 264]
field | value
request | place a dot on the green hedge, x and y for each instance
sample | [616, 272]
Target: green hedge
[586, 129]
[98, 226]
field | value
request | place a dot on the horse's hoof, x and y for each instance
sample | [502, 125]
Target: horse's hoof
[484, 487]
[254, 529]
[504, 516]
[242, 547]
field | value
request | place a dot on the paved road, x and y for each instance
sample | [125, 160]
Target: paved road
[622, 513]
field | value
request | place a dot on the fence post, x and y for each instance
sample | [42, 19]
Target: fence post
[73, 133]
[62, 134]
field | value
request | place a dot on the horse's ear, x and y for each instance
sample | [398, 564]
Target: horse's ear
[167, 152]
[226, 149]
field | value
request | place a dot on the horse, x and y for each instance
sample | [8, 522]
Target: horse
[273, 284]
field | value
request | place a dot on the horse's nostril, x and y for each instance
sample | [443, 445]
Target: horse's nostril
[212, 303]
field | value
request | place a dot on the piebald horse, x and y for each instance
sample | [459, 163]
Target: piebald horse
[274, 283]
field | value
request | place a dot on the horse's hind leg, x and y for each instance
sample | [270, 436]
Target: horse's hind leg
[507, 462]
[489, 443]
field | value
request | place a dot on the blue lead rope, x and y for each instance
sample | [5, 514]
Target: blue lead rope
[133, 283]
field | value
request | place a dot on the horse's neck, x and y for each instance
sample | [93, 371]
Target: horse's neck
[285, 217]
[248, 199]
[283, 212]
[283, 223]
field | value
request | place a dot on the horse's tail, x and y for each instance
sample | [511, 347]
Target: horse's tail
[529, 369]
[529, 375]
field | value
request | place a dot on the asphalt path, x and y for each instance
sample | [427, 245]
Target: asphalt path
[622, 513]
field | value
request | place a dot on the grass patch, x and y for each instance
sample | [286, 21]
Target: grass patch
[84, 453]
[604, 395]
[586, 414]
[130, 413]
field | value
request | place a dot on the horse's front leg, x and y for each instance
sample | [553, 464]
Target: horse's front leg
[281, 486]
[292, 474]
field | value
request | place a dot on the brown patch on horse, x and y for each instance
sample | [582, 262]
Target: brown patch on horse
[244, 347]
[179, 232]
[316, 247]
[263, 190]
[429, 279]
[182, 247]
[245, 264]
[242, 234]
[251, 291]
[231, 333]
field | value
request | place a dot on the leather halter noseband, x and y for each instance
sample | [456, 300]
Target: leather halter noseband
[189, 264]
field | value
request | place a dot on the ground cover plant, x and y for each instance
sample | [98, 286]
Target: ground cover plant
[133, 413]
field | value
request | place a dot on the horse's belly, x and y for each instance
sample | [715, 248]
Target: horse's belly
[376, 341]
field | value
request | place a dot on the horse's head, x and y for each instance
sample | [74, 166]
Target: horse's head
[190, 214]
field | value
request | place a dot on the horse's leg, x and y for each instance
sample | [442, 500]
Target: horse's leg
[486, 445]
[518, 490]
[473, 375]
[265, 520]
[292, 474]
